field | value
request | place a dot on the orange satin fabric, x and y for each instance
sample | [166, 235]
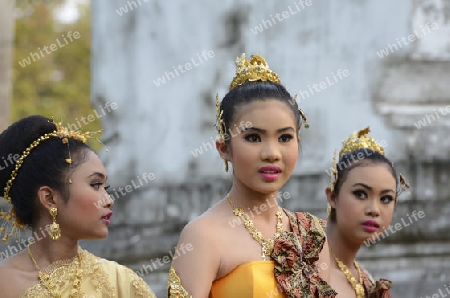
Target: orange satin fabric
[253, 279]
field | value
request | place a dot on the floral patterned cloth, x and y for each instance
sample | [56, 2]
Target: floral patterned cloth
[295, 254]
[376, 289]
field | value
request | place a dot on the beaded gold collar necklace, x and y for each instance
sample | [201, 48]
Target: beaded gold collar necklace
[266, 244]
[48, 283]
[357, 286]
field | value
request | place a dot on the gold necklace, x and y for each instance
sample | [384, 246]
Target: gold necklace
[266, 244]
[358, 287]
[48, 283]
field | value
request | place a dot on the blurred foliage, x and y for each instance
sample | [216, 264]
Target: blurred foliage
[58, 83]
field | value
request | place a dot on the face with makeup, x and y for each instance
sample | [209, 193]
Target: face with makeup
[365, 202]
[264, 153]
[85, 215]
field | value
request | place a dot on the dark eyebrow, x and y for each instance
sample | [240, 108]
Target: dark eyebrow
[370, 188]
[264, 131]
[363, 185]
[98, 174]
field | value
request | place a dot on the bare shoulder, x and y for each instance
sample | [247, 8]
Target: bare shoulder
[13, 280]
[196, 259]
[198, 237]
[6, 277]
[202, 226]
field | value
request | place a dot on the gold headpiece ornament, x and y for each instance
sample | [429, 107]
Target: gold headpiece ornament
[360, 140]
[61, 132]
[255, 69]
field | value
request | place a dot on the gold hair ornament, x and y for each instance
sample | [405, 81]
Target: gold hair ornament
[255, 69]
[360, 140]
[220, 126]
[302, 115]
[64, 134]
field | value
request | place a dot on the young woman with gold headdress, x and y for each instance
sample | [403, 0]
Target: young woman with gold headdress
[57, 188]
[361, 197]
[246, 245]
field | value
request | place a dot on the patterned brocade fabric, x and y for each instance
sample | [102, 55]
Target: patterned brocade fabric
[101, 278]
[295, 254]
[376, 289]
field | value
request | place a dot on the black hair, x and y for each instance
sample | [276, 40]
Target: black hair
[253, 91]
[356, 158]
[45, 165]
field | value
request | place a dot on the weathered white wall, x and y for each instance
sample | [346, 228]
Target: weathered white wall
[155, 128]
[135, 49]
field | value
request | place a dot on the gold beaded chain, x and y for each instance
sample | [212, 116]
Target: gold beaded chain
[266, 244]
[46, 281]
[358, 287]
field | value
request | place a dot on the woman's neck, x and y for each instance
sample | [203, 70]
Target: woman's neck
[46, 251]
[344, 249]
[254, 204]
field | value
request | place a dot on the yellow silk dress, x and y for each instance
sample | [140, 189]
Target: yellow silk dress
[253, 279]
[100, 278]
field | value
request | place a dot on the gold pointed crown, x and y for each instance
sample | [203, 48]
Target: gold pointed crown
[251, 70]
[361, 140]
[357, 140]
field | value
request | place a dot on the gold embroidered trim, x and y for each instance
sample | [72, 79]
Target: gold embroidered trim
[62, 272]
[175, 288]
[139, 288]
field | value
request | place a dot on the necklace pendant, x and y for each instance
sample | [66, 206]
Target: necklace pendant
[359, 289]
[263, 250]
[266, 250]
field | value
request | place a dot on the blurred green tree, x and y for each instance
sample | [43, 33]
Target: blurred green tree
[51, 71]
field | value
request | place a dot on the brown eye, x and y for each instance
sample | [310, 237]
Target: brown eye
[96, 185]
[253, 138]
[360, 194]
[386, 199]
[286, 138]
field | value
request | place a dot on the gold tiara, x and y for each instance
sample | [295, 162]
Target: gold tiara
[255, 69]
[357, 140]
[361, 140]
[61, 132]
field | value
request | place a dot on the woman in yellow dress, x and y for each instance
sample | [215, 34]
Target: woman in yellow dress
[361, 200]
[246, 245]
[56, 185]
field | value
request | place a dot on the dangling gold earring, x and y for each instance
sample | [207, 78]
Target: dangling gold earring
[328, 210]
[54, 231]
[226, 165]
